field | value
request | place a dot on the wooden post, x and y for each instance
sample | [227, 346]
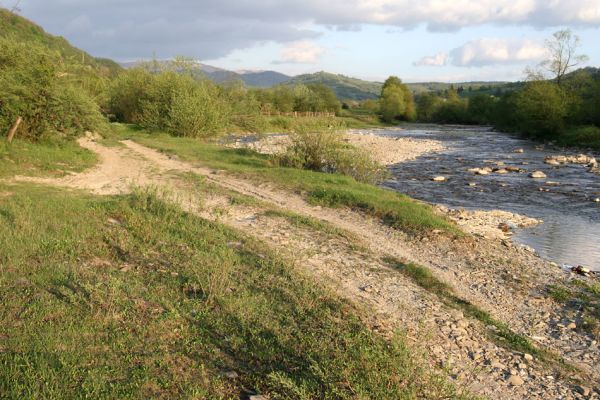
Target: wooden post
[13, 129]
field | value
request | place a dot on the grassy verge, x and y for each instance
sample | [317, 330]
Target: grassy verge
[583, 297]
[48, 157]
[497, 331]
[331, 190]
[586, 136]
[128, 297]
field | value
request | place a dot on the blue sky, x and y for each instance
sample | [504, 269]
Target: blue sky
[460, 40]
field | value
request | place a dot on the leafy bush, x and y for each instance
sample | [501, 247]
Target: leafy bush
[319, 146]
[35, 84]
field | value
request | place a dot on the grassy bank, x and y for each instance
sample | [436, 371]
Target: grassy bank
[128, 297]
[47, 157]
[331, 190]
[584, 137]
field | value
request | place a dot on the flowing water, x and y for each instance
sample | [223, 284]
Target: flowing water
[564, 200]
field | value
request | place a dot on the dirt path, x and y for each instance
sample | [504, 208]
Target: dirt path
[507, 282]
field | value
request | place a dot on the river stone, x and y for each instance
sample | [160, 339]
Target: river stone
[537, 175]
[502, 171]
[551, 161]
[439, 179]
[516, 380]
[584, 390]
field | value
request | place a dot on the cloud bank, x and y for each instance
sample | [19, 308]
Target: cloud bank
[126, 29]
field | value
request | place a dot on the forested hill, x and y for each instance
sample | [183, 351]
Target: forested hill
[23, 30]
[344, 87]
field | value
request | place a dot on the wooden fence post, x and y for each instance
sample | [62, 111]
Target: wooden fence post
[13, 129]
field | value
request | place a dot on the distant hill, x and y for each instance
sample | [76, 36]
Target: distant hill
[12, 25]
[344, 87]
[264, 78]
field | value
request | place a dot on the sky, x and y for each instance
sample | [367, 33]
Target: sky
[416, 40]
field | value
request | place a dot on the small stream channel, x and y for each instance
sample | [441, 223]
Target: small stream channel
[570, 233]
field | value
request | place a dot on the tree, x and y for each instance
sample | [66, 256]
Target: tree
[396, 102]
[562, 49]
[540, 109]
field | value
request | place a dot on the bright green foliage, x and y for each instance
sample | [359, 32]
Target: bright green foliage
[396, 102]
[171, 101]
[36, 85]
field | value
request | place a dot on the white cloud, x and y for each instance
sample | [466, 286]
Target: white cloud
[302, 52]
[488, 51]
[437, 60]
[492, 51]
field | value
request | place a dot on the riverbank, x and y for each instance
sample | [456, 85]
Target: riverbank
[483, 312]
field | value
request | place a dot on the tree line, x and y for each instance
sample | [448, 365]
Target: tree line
[564, 107]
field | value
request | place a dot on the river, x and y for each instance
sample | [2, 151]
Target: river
[570, 234]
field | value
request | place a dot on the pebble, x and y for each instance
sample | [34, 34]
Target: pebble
[231, 374]
[572, 325]
[584, 390]
[537, 175]
[257, 397]
[439, 179]
[528, 357]
[516, 380]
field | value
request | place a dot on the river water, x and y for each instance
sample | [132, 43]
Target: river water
[570, 233]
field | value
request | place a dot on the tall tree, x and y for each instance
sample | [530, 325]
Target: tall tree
[396, 101]
[562, 50]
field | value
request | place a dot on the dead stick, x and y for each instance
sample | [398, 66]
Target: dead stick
[13, 129]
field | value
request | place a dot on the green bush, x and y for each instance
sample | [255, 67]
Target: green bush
[35, 84]
[319, 145]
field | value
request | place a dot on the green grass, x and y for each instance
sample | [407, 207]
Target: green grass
[583, 297]
[585, 136]
[45, 158]
[330, 190]
[497, 331]
[129, 297]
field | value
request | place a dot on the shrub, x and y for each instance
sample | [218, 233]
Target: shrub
[35, 86]
[319, 146]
